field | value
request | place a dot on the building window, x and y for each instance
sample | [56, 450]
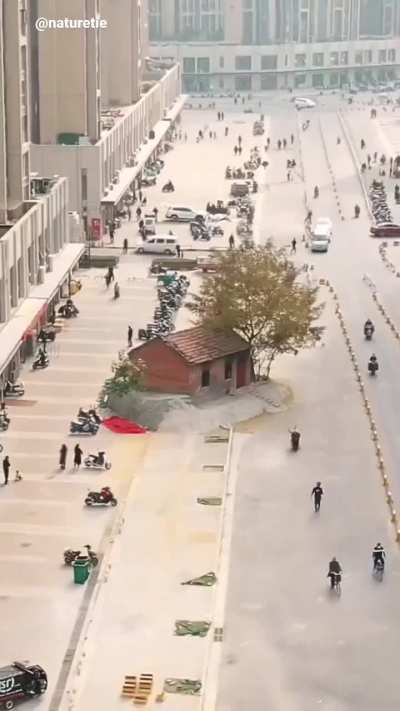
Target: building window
[228, 369]
[221, 82]
[333, 79]
[203, 65]
[318, 59]
[358, 57]
[344, 57]
[391, 55]
[189, 65]
[84, 184]
[205, 377]
[382, 56]
[155, 19]
[269, 61]
[243, 83]
[269, 81]
[318, 81]
[299, 80]
[247, 27]
[300, 60]
[221, 62]
[334, 59]
[242, 64]
[368, 56]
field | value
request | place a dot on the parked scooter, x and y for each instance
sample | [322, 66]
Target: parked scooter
[104, 497]
[84, 427]
[70, 556]
[4, 420]
[168, 187]
[97, 461]
[41, 360]
[14, 389]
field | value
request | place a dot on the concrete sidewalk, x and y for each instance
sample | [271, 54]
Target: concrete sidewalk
[166, 537]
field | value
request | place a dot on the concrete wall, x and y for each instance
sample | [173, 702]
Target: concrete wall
[68, 72]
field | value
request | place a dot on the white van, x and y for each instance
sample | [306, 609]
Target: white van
[159, 244]
[304, 103]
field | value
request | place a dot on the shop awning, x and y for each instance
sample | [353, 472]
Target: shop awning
[18, 327]
[62, 265]
[128, 175]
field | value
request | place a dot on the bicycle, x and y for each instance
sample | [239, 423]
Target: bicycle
[336, 579]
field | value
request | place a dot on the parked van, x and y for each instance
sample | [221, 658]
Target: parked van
[160, 244]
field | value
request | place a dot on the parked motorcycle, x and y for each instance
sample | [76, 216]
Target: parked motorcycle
[90, 414]
[70, 556]
[4, 421]
[97, 461]
[168, 187]
[84, 427]
[14, 389]
[104, 497]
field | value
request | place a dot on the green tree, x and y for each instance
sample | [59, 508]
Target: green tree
[127, 376]
[256, 293]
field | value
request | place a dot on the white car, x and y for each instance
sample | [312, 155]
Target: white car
[181, 214]
[323, 227]
[160, 244]
[303, 103]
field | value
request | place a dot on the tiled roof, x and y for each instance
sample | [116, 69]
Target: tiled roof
[198, 345]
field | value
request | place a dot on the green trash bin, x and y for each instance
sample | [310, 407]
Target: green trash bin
[81, 570]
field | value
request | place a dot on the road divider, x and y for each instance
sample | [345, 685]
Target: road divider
[366, 403]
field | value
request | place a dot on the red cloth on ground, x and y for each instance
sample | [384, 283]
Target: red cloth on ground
[122, 426]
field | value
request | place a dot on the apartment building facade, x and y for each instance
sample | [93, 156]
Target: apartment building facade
[118, 106]
[253, 45]
[35, 255]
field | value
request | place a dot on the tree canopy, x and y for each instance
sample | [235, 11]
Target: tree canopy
[257, 294]
[127, 376]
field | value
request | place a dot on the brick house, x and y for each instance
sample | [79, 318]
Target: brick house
[195, 361]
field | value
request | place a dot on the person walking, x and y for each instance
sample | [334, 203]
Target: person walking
[130, 336]
[125, 246]
[77, 456]
[6, 468]
[112, 232]
[138, 213]
[155, 213]
[291, 138]
[293, 243]
[231, 241]
[63, 456]
[178, 250]
[317, 494]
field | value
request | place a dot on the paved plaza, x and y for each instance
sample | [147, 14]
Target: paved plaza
[287, 644]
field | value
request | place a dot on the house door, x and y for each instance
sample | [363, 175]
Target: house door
[241, 371]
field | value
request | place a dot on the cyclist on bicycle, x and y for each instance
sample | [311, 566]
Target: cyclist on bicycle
[334, 572]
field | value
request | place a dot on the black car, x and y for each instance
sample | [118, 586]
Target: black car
[19, 682]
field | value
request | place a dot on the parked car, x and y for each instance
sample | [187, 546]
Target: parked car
[161, 244]
[181, 214]
[149, 224]
[385, 229]
[240, 188]
[304, 103]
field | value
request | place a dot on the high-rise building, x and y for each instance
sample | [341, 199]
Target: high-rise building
[265, 44]
[96, 103]
[36, 256]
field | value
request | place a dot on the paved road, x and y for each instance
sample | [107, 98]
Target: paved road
[290, 644]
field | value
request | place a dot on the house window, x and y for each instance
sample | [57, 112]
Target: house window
[269, 61]
[300, 60]
[205, 377]
[391, 55]
[242, 64]
[358, 58]
[318, 59]
[228, 369]
[382, 56]
[189, 65]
